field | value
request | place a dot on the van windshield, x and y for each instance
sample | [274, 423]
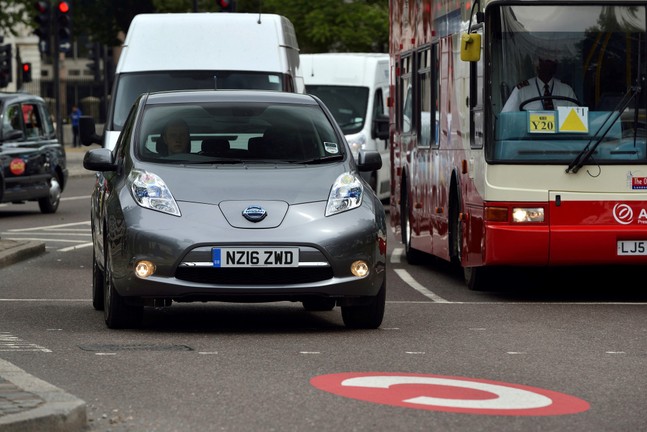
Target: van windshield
[131, 85]
[347, 104]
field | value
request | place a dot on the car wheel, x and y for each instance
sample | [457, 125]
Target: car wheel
[97, 284]
[414, 256]
[367, 316]
[116, 312]
[49, 204]
[319, 304]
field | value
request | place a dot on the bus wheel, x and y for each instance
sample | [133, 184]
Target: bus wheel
[413, 256]
[479, 278]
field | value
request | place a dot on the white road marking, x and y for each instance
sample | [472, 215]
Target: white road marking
[11, 343]
[49, 227]
[396, 255]
[71, 248]
[406, 277]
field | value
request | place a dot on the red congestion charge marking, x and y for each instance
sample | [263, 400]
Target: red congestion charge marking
[450, 394]
[17, 166]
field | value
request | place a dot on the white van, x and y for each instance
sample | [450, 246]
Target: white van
[355, 88]
[198, 51]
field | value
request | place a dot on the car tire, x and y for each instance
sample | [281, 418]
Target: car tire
[367, 316]
[49, 204]
[97, 284]
[319, 304]
[117, 313]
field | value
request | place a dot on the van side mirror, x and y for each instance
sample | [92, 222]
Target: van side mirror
[470, 47]
[87, 131]
[380, 128]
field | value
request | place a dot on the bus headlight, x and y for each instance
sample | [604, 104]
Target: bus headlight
[521, 215]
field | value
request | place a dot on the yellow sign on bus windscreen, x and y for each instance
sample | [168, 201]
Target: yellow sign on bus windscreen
[564, 120]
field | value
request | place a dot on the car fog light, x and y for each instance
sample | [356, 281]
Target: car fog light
[359, 268]
[144, 269]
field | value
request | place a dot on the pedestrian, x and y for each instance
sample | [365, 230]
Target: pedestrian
[75, 115]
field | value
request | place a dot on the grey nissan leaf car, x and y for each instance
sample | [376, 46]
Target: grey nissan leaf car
[241, 196]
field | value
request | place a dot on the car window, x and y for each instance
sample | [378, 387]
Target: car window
[237, 132]
[12, 121]
[32, 120]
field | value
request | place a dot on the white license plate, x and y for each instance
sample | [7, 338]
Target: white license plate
[632, 247]
[255, 257]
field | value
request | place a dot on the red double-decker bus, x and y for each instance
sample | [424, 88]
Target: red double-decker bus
[518, 132]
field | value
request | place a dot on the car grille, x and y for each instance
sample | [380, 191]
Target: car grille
[254, 276]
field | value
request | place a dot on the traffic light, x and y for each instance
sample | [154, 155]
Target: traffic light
[5, 65]
[64, 21]
[94, 54]
[26, 72]
[43, 24]
[227, 5]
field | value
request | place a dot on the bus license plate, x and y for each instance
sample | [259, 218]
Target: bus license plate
[632, 247]
[255, 257]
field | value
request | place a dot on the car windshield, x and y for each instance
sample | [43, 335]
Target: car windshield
[132, 85]
[231, 133]
[347, 104]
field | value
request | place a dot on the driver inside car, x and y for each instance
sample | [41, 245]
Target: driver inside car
[541, 87]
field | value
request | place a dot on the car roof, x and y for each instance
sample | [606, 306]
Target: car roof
[191, 96]
[19, 97]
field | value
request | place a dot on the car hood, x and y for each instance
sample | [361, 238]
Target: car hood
[214, 185]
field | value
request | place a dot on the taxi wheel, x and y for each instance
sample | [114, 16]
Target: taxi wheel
[368, 316]
[97, 284]
[49, 204]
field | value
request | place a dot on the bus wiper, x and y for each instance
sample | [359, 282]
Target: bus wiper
[591, 146]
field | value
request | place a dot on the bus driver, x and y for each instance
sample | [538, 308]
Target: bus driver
[544, 84]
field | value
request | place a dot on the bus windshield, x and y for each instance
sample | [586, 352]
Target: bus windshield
[566, 78]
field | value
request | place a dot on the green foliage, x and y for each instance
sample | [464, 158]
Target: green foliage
[13, 13]
[321, 26]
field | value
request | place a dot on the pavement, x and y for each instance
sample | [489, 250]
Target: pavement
[27, 403]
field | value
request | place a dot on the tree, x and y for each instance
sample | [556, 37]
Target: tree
[331, 25]
[13, 13]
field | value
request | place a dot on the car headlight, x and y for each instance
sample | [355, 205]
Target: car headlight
[150, 191]
[356, 143]
[346, 194]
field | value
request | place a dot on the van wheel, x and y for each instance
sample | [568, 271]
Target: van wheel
[49, 204]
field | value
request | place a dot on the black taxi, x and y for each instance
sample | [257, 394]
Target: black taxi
[32, 160]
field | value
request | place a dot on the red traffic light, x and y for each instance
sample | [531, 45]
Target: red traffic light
[26, 67]
[63, 7]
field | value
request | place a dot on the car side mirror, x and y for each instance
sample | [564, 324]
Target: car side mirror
[99, 160]
[87, 131]
[380, 129]
[13, 135]
[369, 160]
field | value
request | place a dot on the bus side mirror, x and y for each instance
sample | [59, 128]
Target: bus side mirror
[470, 47]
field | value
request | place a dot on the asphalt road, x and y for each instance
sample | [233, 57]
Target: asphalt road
[549, 351]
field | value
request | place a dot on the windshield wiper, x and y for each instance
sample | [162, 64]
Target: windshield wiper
[591, 146]
[319, 160]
